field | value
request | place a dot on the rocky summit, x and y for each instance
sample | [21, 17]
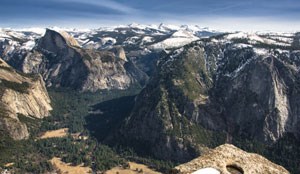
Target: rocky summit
[21, 95]
[62, 62]
[228, 159]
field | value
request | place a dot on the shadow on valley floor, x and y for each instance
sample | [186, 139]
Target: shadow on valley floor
[106, 116]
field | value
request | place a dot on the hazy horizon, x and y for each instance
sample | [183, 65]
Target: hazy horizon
[229, 15]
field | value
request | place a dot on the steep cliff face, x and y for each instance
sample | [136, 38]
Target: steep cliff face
[21, 94]
[120, 53]
[63, 63]
[162, 117]
[212, 92]
[228, 159]
[256, 92]
[262, 93]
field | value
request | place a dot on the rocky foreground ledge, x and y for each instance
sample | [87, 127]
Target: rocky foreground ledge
[228, 159]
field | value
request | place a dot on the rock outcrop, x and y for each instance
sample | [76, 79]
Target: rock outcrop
[62, 63]
[21, 94]
[120, 53]
[161, 118]
[262, 93]
[207, 94]
[228, 159]
[240, 86]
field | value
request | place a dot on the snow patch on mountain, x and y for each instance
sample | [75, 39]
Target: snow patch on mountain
[177, 52]
[39, 31]
[132, 40]
[3, 35]
[255, 38]
[108, 41]
[174, 55]
[147, 39]
[166, 28]
[243, 35]
[29, 45]
[138, 26]
[178, 39]
[284, 39]
[261, 51]
[184, 34]
[280, 51]
[241, 46]
[92, 45]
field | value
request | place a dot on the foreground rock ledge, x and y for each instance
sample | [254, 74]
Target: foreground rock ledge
[229, 159]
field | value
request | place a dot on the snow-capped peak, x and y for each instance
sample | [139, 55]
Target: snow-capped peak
[178, 39]
[192, 28]
[183, 33]
[165, 27]
[138, 26]
[255, 37]
[39, 31]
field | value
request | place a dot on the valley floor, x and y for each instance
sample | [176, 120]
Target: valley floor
[68, 168]
[55, 133]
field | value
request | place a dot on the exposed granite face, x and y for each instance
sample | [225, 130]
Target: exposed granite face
[120, 52]
[15, 129]
[233, 91]
[160, 118]
[62, 63]
[226, 158]
[34, 102]
[21, 94]
[257, 101]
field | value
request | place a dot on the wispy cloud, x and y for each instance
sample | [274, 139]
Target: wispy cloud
[236, 14]
[110, 4]
[229, 6]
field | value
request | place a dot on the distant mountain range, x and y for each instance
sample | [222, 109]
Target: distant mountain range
[199, 87]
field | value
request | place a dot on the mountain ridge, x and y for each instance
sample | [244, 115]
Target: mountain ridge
[197, 91]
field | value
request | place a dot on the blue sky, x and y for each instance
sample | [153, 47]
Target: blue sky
[277, 15]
